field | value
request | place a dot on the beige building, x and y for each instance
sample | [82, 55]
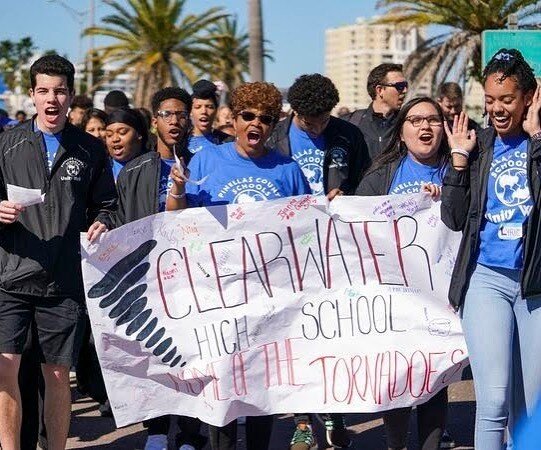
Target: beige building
[352, 51]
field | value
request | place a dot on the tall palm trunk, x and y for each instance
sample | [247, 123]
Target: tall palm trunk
[255, 34]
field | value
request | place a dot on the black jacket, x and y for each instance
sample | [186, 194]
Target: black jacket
[378, 182]
[464, 198]
[138, 185]
[346, 155]
[40, 253]
[375, 128]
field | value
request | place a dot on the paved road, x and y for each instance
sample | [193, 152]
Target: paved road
[90, 431]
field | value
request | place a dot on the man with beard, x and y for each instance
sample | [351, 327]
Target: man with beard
[387, 88]
[143, 186]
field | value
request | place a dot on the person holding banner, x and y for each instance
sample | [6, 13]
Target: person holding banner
[143, 186]
[492, 193]
[238, 172]
[414, 160]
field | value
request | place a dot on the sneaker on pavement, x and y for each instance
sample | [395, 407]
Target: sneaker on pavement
[336, 432]
[303, 438]
[447, 441]
[156, 442]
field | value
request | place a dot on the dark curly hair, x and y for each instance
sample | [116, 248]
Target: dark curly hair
[259, 95]
[511, 63]
[170, 92]
[312, 95]
[396, 149]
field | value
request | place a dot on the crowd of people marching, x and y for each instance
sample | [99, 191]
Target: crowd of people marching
[100, 169]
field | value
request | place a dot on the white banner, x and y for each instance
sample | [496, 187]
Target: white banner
[285, 306]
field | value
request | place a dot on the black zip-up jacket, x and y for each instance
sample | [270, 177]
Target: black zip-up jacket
[40, 253]
[464, 198]
[378, 182]
[375, 128]
[138, 186]
[346, 154]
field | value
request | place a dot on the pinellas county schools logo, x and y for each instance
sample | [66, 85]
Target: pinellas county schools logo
[512, 186]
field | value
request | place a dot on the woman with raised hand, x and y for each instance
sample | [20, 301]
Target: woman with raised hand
[492, 194]
[415, 160]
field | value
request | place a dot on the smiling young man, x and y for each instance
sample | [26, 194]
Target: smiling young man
[387, 88]
[40, 262]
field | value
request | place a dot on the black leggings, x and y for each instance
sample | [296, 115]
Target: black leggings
[258, 433]
[189, 430]
[431, 418]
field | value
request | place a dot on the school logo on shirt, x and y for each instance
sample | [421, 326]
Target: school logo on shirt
[339, 158]
[512, 186]
[249, 189]
[311, 163]
[72, 168]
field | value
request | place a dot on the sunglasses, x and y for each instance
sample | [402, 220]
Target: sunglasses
[400, 86]
[265, 119]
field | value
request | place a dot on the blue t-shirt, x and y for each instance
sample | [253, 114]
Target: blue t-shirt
[232, 178]
[198, 143]
[309, 154]
[411, 175]
[51, 143]
[166, 182]
[508, 204]
[117, 166]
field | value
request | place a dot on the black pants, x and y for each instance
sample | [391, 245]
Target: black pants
[258, 433]
[431, 418]
[189, 430]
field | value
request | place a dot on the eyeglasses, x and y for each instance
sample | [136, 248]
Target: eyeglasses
[416, 121]
[167, 116]
[265, 119]
[400, 86]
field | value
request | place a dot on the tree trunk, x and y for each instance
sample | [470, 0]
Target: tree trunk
[255, 34]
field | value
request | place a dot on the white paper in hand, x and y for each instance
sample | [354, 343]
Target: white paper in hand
[24, 196]
[182, 169]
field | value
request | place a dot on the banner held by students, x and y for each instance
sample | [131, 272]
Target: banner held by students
[292, 305]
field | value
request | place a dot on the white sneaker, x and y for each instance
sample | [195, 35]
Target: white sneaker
[156, 442]
[186, 447]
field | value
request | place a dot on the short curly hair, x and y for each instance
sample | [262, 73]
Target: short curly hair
[312, 95]
[259, 95]
[168, 93]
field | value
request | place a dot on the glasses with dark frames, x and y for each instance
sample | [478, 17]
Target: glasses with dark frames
[167, 116]
[400, 86]
[249, 116]
[416, 121]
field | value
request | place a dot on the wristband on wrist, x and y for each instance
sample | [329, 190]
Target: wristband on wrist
[536, 136]
[459, 151]
[177, 196]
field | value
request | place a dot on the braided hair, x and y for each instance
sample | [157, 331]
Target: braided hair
[511, 63]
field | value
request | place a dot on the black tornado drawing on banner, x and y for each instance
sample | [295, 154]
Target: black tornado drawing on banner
[128, 306]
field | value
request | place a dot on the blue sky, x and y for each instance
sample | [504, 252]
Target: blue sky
[295, 28]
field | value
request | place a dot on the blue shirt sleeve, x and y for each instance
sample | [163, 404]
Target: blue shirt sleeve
[192, 189]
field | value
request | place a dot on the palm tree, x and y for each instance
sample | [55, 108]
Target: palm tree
[458, 50]
[230, 49]
[153, 39]
[255, 20]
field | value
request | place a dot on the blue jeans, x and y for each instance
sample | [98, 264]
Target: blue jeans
[503, 334]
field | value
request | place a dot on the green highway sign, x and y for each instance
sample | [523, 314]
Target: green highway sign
[527, 41]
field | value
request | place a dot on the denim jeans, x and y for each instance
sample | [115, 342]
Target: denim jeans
[503, 334]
